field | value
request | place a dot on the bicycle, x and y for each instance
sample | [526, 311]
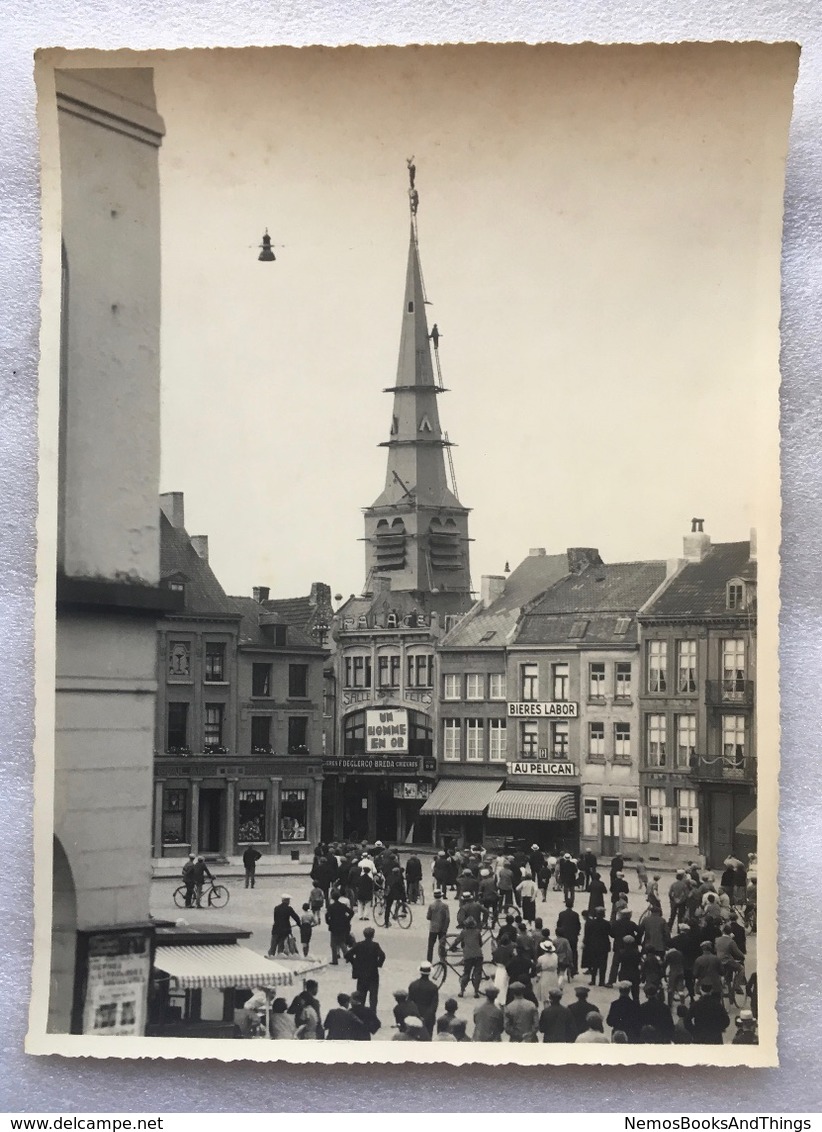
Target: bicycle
[401, 914]
[217, 894]
[734, 981]
[439, 972]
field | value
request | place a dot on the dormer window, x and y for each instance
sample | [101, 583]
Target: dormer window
[735, 594]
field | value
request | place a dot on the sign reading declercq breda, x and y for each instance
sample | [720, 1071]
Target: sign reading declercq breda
[551, 709]
[386, 730]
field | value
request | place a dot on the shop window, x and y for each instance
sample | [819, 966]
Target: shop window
[214, 663]
[596, 681]
[622, 680]
[451, 689]
[630, 819]
[590, 816]
[251, 816]
[297, 681]
[497, 686]
[474, 740]
[451, 740]
[213, 730]
[529, 739]
[261, 734]
[175, 817]
[177, 729]
[179, 660]
[559, 678]
[261, 679]
[657, 666]
[293, 815]
[559, 740]
[497, 740]
[298, 735]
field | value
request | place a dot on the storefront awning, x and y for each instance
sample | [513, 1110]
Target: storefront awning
[533, 805]
[461, 796]
[748, 823]
[227, 965]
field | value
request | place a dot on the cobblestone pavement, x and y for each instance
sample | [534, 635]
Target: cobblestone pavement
[251, 909]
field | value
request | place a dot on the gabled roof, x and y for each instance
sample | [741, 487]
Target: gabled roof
[291, 610]
[488, 627]
[254, 635]
[595, 607]
[179, 561]
[699, 589]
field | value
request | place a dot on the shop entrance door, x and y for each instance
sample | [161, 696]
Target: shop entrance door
[210, 823]
[721, 828]
[610, 827]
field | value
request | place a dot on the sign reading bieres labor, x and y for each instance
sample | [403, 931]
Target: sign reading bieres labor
[550, 709]
[386, 731]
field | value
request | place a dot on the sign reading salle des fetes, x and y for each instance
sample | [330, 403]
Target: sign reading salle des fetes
[386, 730]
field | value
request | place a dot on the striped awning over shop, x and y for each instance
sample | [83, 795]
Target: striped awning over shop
[227, 965]
[533, 805]
[461, 796]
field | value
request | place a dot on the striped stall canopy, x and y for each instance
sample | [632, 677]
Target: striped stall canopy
[533, 805]
[461, 796]
[227, 965]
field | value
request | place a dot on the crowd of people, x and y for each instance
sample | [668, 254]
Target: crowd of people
[675, 971]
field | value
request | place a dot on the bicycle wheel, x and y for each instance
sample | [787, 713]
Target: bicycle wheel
[378, 904]
[403, 916]
[180, 896]
[438, 973]
[218, 896]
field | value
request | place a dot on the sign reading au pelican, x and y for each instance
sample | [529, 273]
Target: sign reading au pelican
[386, 731]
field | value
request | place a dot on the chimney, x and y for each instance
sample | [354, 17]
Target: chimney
[200, 544]
[581, 557]
[320, 594]
[171, 504]
[536, 552]
[492, 587]
[697, 544]
[753, 545]
[260, 593]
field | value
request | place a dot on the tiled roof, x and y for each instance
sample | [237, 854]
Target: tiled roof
[253, 635]
[292, 610]
[597, 606]
[699, 589]
[203, 593]
[489, 627]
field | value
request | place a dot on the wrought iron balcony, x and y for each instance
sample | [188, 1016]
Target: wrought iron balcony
[721, 769]
[731, 692]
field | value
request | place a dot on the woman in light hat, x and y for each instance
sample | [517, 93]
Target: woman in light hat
[547, 976]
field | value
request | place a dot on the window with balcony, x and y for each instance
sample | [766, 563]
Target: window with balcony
[298, 734]
[560, 675]
[177, 728]
[451, 686]
[596, 741]
[214, 672]
[497, 686]
[733, 669]
[622, 742]
[261, 679]
[529, 681]
[657, 666]
[656, 816]
[474, 686]
[733, 741]
[213, 729]
[590, 817]
[261, 734]
[529, 739]
[497, 740]
[656, 741]
[474, 740]
[388, 671]
[451, 740]
[685, 740]
[559, 740]
[358, 672]
[596, 681]
[687, 817]
[686, 666]
[622, 680]
[298, 681]
[420, 671]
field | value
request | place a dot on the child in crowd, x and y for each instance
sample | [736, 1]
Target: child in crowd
[316, 900]
[307, 922]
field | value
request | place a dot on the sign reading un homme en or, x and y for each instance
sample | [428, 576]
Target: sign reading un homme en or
[386, 730]
[552, 709]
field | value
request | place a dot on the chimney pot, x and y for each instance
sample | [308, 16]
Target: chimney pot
[581, 557]
[200, 544]
[171, 504]
[697, 544]
[536, 552]
[260, 593]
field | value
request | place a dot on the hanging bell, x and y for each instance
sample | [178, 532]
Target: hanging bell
[266, 254]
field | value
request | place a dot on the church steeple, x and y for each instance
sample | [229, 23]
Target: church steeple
[416, 529]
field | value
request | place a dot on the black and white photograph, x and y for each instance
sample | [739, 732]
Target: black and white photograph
[408, 553]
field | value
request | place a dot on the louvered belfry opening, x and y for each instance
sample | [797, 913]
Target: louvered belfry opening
[390, 545]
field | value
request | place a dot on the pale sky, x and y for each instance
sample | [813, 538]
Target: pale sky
[599, 232]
